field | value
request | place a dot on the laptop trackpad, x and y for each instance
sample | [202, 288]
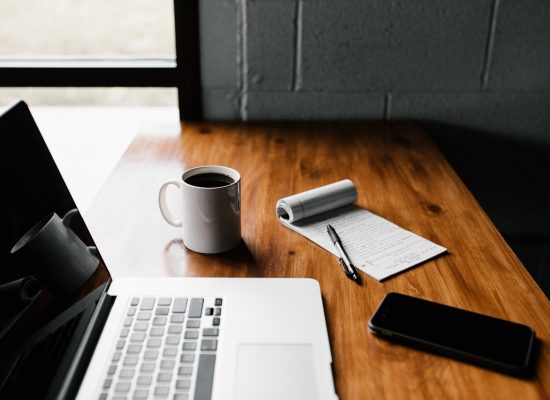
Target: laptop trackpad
[275, 371]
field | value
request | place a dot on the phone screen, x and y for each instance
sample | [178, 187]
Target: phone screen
[451, 330]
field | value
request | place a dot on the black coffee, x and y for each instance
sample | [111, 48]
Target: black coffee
[209, 180]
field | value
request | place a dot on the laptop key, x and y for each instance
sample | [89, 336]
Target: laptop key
[172, 340]
[210, 332]
[189, 346]
[144, 380]
[107, 384]
[128, 321]
[181, 396]
[195, 308]
[185, 371]
[180, 304]
[192, 335]
[126, 373]
[164, 377]
[193, 323]
[134, 301]
[141, 326]
[157, 331]
[218, 302]
[164, 301]
[147, 303]
[116, 356]
[122, 387]
[147, 367]
[151, 354]
[111, 370]
[205, 376]
[176, 318]
[218, 311]
[141, 394]
[130, 360]
[167, 364]
[209, 344]
[209, 311]
[131, 311]
[134, 349]
[174, 329]
[187, 358]
[124, 333]
[162, 391]
[137, 337]
[120, 344]
[216, 322]
[183, 384]
[153, 343]
[158, 321]
[144, 316]
[162, 311]
[170, 352]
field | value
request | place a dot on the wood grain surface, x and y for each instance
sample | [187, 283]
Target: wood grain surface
[401, 176]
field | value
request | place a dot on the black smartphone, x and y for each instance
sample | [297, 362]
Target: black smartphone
[491, 342]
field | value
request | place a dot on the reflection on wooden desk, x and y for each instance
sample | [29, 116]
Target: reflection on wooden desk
[401, 176]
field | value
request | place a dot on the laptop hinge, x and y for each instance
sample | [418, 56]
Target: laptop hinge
[86, 348]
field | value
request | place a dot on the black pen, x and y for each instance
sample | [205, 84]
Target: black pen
[348, 267]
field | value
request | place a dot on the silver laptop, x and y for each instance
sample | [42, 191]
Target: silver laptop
[165, 338]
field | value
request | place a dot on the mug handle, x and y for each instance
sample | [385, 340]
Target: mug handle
[67, 218]
[166, 214]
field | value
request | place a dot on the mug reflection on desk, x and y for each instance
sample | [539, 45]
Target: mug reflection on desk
[53, 252]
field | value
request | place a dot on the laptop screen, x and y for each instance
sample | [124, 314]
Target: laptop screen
[44, 239]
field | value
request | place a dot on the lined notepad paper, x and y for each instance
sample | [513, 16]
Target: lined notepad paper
[375, 245]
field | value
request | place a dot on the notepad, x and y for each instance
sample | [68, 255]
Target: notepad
[375, 245]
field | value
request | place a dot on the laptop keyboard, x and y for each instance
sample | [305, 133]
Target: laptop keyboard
[166, 349]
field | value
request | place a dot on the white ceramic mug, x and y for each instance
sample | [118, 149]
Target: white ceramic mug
[211, 208]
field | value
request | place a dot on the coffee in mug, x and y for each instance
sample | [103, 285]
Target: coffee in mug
[210, 208]
[209, 180]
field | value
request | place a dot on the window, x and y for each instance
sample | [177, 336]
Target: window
[123, 45]
[89, 28]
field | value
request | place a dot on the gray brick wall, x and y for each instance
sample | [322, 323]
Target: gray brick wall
[521, 53]
[381, 45]
[481, 64]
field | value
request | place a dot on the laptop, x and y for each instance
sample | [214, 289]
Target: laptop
[165, 338]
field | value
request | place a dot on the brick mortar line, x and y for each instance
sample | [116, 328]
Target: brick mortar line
[296, 83]
[243, 59]
[490, 44]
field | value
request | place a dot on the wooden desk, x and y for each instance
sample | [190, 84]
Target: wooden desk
[401, 176]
